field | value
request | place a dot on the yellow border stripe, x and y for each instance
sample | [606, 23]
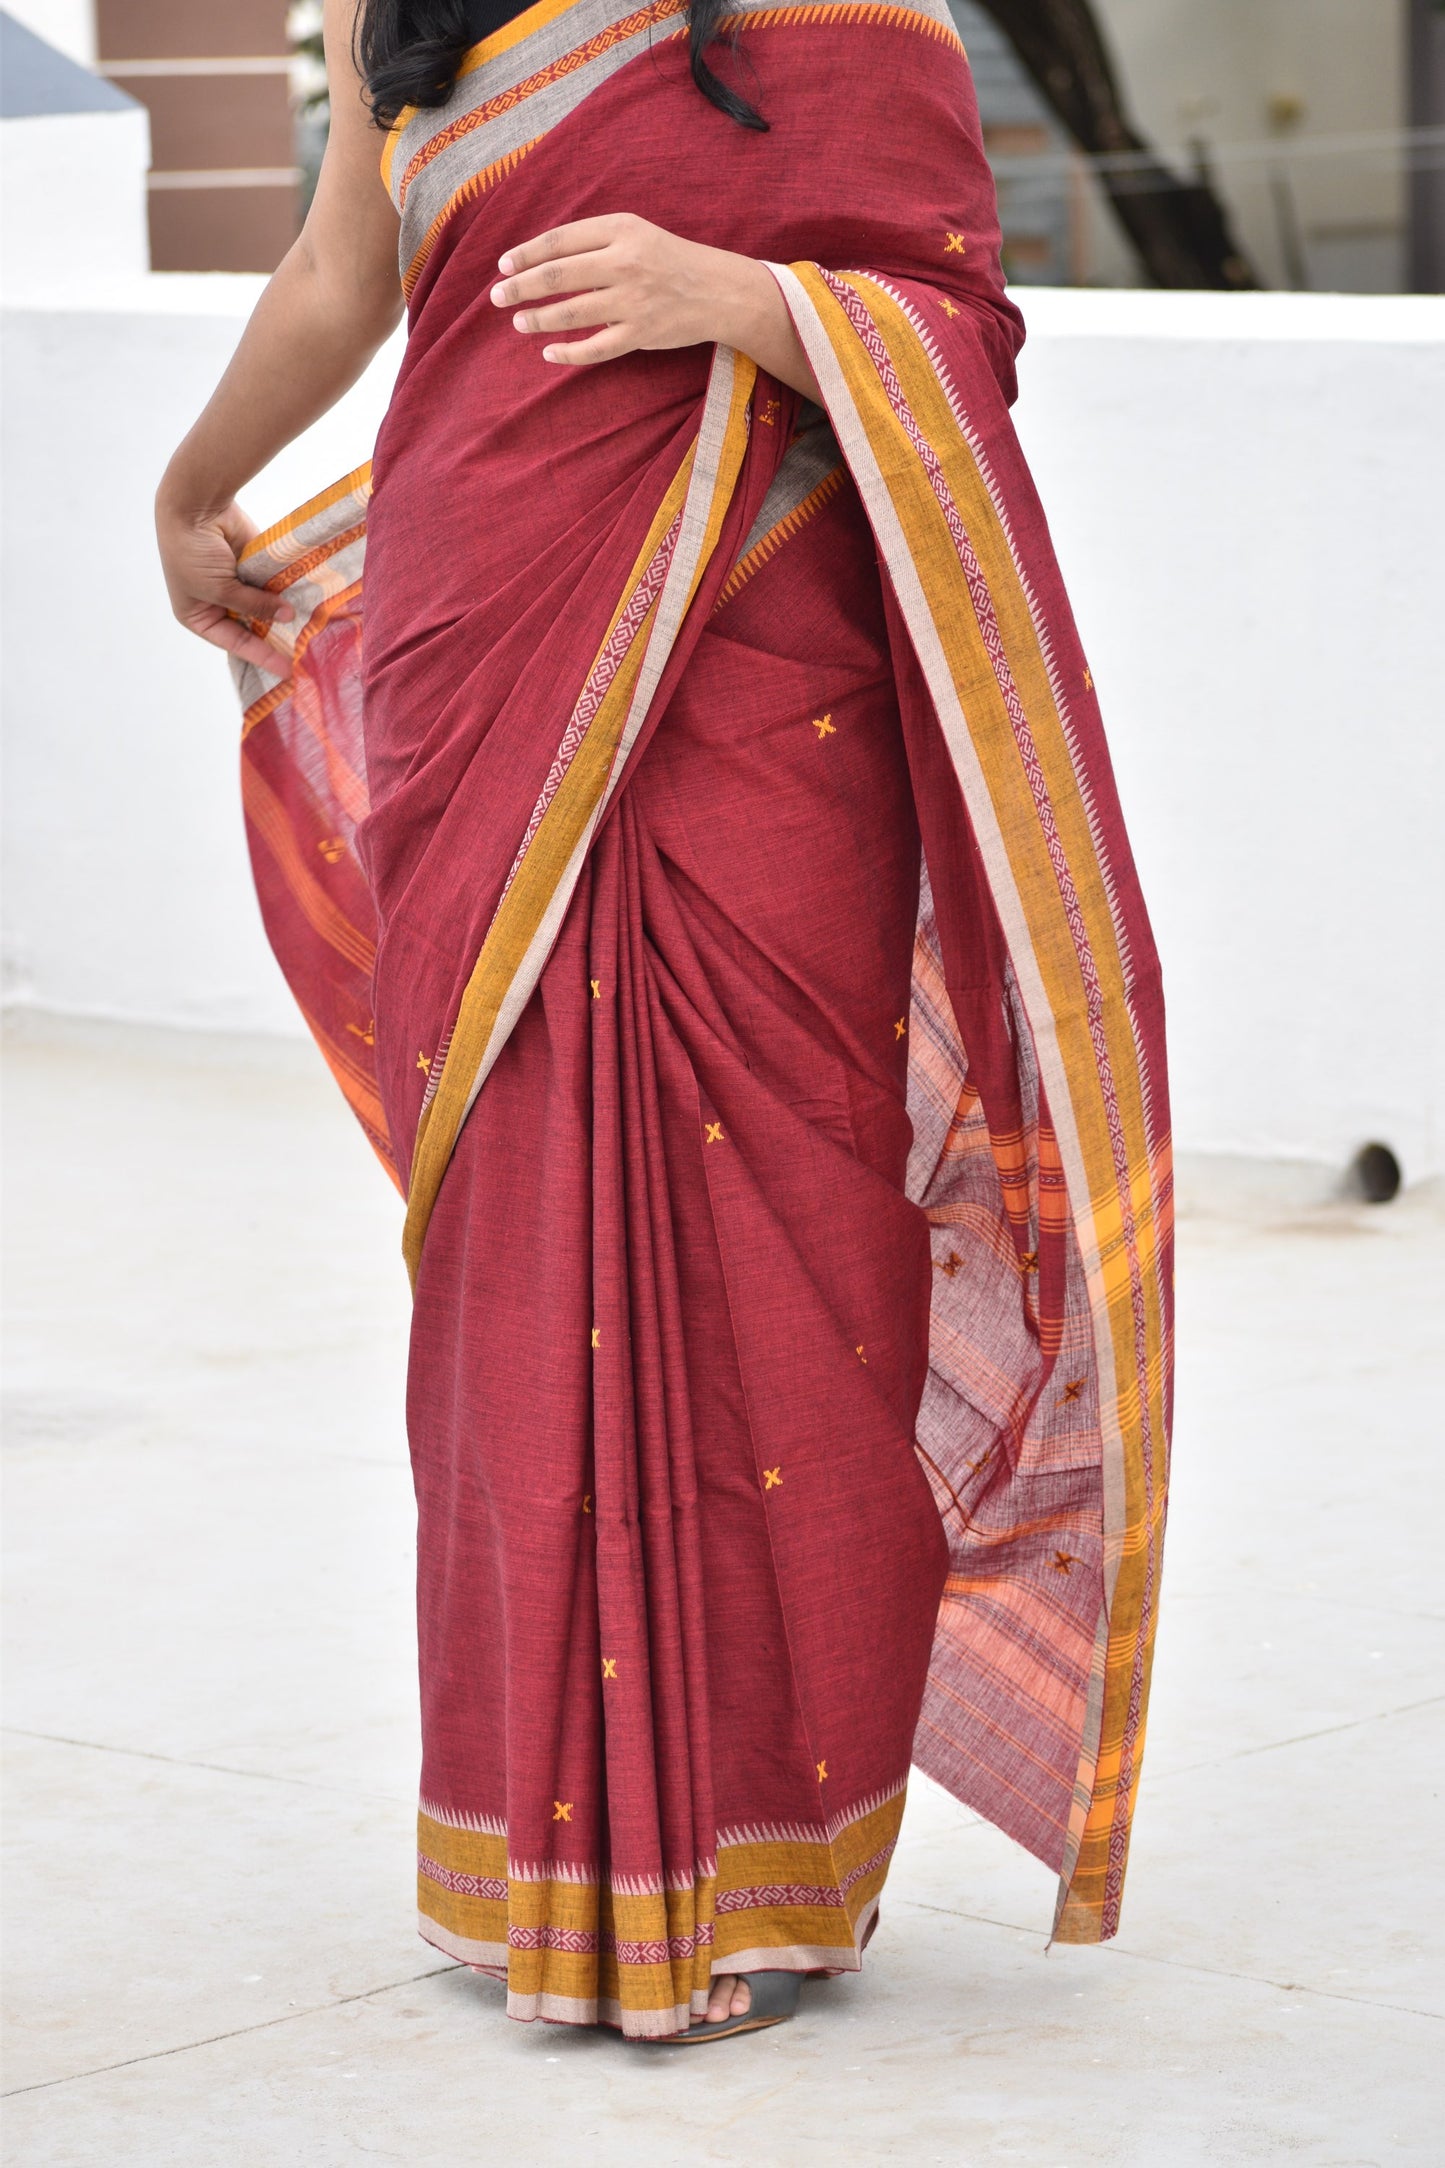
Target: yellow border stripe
[553, 858]
[520, 911]
[1023, 872]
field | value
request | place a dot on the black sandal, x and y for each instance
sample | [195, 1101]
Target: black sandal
[774, 1999]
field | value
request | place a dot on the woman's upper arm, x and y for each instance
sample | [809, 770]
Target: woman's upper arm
[351, 229]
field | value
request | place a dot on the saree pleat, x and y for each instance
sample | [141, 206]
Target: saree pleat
[721, 919]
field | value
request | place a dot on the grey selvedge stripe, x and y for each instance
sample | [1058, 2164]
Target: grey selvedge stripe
[537, 115]
[583, 20]
[809, 460]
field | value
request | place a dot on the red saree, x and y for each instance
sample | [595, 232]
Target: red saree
[706, 882]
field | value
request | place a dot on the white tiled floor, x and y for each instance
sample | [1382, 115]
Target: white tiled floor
[212, 1736]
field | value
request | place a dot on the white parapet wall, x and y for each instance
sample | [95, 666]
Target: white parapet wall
[1245, 491]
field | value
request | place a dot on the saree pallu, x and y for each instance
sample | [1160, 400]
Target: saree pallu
[705, 879]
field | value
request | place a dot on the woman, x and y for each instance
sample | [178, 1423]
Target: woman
[705, 879]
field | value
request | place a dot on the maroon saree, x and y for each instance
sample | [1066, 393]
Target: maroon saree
[704, 877]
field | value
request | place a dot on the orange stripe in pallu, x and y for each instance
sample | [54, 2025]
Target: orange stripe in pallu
[270, 819]
[331, 606]
[775, 537]
[348, 787]
[312, 558]
[359, 1091]
[357, 483]
[679, 543]
[990, 678]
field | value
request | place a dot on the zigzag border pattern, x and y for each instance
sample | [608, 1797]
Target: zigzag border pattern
[810, 1832]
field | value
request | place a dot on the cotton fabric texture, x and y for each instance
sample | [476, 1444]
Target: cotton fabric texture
[692, 843]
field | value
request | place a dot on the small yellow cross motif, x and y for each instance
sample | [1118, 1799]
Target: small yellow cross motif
[953, 246]
[587, 1503]
[561, 1810]
[597, 1336]
[596, 986]
[1029, 1261]
[369, 1035]
[332, 848]
[975, 1465]
[825, 726]
[1073, 1387]
[714, 1133]
[1088, 680]
[1065, 1561]
[609, 1667]
[900, 1027]
[858, 1351]
[772, 1479]
[423, 1062]
[949, 1265]
[822, 1772]
[948, 307]
[770, 412]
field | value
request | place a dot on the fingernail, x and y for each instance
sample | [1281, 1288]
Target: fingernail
[499, 294]
[504, 263]
[519, 323]
[551, 353]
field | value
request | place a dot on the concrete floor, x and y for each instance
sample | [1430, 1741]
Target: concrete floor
[212, 1739]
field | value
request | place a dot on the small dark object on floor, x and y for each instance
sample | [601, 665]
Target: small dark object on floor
[1377, 1173]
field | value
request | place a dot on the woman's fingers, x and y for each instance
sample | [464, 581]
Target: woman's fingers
[253, 602]
[604, 345]
[568, 275]
[580, 312]
[580, 238]
[237, 639]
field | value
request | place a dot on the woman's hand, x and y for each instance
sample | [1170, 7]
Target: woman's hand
[330, 305]
[632, 285]
[198, 556]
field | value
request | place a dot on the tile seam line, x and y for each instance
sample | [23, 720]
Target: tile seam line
[1179, 1964]
[1304, 1738]
[237, 2032]
[180, 1761]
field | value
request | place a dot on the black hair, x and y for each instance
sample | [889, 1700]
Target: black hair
[409, 52]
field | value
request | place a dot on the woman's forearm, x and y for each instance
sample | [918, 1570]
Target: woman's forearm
[305, 345]
[755, 321]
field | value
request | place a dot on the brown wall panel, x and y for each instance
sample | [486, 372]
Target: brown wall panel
[215, 120]
[222, 229]
[182, 29]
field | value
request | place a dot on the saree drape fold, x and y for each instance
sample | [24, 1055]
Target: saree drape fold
[705, 879]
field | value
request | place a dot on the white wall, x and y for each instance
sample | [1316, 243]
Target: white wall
[73, 198]
[1245, 493]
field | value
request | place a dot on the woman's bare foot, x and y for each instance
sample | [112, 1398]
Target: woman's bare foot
[730, 1996]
